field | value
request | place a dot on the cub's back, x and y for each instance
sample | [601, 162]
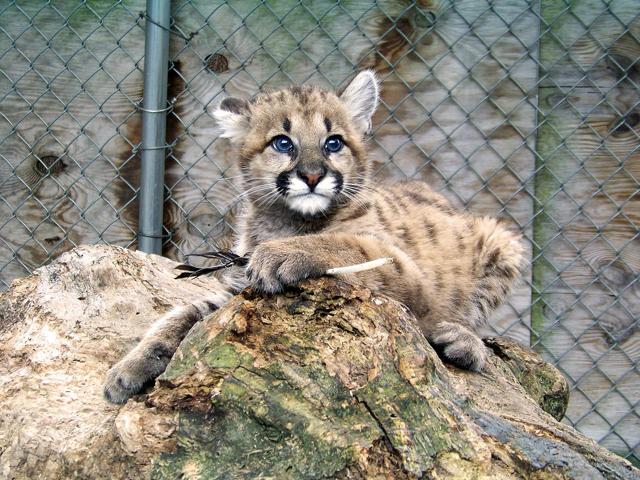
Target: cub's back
[457, 256]
[418, 220]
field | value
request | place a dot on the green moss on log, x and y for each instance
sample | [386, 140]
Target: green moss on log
[541, 381]
[278, 411]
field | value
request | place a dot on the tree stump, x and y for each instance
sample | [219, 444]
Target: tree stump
[327, 380]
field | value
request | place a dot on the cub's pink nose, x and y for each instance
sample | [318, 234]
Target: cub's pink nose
[311, 179]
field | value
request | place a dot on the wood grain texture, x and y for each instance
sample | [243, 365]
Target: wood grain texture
[67, 127]
[587, 297]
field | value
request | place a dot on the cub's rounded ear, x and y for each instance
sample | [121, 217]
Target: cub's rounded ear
[232, 116]
[361, 99]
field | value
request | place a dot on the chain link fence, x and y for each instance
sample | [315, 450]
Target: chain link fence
[527, 110]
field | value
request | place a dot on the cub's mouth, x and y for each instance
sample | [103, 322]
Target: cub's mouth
[310, 194]
[309, 204]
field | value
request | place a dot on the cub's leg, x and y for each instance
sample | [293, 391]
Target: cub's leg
[150, 357]
[498, 258]
[497, 264]
[287, 261]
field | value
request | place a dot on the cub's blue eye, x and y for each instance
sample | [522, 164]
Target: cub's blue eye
[282, 144]
[333, 144]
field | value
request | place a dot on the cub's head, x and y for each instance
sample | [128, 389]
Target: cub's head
[302, 147]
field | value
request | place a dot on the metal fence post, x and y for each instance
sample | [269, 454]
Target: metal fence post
[154, 112]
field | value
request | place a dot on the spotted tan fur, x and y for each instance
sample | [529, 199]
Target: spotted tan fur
[308, 209]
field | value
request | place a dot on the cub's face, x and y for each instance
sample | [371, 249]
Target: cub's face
[302, 147]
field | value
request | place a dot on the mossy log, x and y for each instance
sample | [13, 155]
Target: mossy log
[326, 380]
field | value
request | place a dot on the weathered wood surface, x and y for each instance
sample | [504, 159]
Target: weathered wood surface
[324, 381]
[587, 295]
[71, 74]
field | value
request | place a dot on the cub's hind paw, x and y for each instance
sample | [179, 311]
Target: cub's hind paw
[129, 376]
[460, 346]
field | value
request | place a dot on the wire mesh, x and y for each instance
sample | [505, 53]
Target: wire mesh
[527, 110]
[69, 82]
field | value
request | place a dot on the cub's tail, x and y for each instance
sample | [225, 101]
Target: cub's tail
[498, 263]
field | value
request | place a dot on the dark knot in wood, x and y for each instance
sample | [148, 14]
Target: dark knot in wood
[216, 63]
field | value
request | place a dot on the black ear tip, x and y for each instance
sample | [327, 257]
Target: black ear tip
[234, 105]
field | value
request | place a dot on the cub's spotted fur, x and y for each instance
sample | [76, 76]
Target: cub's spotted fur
[310, 205]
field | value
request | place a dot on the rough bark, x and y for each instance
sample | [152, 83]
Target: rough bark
[325, 381]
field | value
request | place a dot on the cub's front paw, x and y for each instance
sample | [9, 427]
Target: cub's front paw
[275, 265]
[461, 346]
[128, 376]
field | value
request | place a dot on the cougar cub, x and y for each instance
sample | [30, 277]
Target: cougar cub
[309, 205]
